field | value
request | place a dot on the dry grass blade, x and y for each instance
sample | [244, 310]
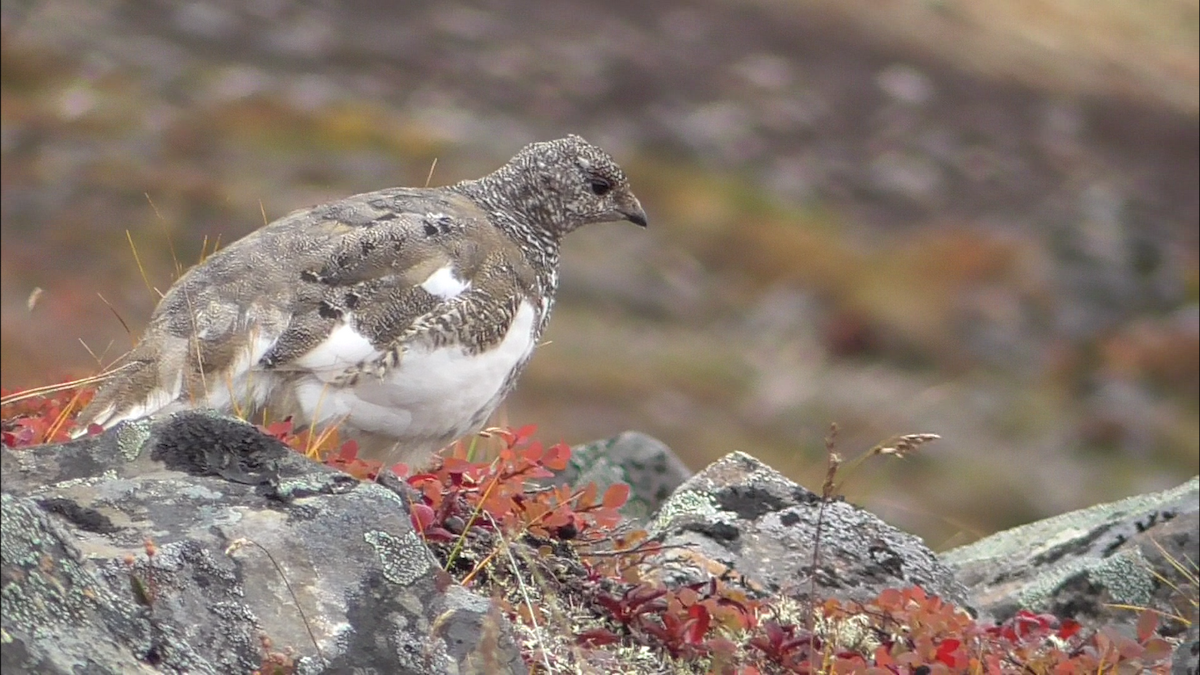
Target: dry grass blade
[137, 259]
[1190, 571]
[1157, 612]
[170, 243]
[429, 178]
[63, 416]
[196, 344]
[99, 359]
[62, 386]
[898, 446]
[117, 314]
[462, 538]
[312, 448]
[238, 544]
[466, 581]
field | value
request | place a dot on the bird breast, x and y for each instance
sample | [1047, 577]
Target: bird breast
[432, 393]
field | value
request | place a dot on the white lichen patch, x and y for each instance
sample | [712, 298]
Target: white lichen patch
[132, 437]
[1127, 576]
[689, 503]
[375, 489]
[70, 483]
[854, 633]
[403, 559]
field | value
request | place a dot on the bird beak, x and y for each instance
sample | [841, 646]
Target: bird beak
[632, 211]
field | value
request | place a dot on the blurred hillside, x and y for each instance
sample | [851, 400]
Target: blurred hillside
[968, 218]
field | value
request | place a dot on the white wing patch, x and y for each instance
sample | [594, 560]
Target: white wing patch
[444, 284]
[344, 348]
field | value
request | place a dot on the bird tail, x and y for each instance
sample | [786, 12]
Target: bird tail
[136, 389]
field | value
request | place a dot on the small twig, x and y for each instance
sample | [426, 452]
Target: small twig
[512, 561]
[239, 543]
[832, 462]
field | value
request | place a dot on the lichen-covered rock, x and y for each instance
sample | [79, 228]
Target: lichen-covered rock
[741, 518]
[249, 540]
[1081, 564]
[650, 469]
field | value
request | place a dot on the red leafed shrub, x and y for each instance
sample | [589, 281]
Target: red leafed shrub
[497, 495]
[41, 419]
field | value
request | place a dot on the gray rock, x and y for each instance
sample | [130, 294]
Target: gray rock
[1079, 564]
[249, 539]
[646, 464]
[1187, 655]
[743, 517]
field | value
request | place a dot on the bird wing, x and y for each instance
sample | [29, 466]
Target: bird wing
[320, 290]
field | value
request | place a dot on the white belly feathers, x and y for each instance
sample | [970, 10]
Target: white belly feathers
[432, 393]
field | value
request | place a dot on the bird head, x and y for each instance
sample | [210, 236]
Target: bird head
[581, 182]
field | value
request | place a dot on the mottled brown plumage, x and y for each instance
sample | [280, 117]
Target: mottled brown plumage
[404, 315]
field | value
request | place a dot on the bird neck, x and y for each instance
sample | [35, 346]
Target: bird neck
[514, 203]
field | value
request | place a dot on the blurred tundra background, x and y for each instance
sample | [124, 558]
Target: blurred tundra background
[972, 218]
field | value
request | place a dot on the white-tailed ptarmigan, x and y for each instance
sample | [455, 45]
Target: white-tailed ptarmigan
[404, 316]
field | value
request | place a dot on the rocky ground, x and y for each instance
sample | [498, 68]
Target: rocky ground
[193, 543]
[932, 219]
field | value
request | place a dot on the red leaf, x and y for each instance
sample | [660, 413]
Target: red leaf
[348, 452]
[700, 621]
[889, 598]
[946, 651]
[521, 435]
[557, 457]
[422, 516]
[596, 637]
[280, 430]
[587, 497]
[1068, 629]
[1146, 625]
[1157, 649]
[615, 496]
[533, 453]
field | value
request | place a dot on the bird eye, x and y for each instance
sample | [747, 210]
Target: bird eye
[600, 186]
